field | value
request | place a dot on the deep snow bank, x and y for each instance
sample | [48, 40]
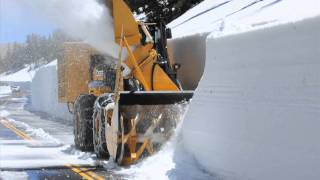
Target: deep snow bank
[44, 89]
[256, 111]
[21, 78]
[24, 75]
[222, 17]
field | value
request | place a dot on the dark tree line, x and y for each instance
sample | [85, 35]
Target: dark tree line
[37, 49]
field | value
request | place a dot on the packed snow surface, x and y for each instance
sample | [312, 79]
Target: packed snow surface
[8, 175]
[232, 16]
[40, 152]
[28, 154]
[39, 133]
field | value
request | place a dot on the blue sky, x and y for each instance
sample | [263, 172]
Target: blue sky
[16, 22]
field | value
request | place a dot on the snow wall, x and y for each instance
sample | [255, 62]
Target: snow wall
[190, 53]
[44, 89]
[21, 78]
[256, 112]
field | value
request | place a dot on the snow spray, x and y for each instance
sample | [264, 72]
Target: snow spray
[87, 20]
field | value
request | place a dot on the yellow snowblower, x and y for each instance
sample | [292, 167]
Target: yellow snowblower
[124, 108]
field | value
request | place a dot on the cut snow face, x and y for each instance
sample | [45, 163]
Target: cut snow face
[255, 114]
[44, 88]
[87, 20]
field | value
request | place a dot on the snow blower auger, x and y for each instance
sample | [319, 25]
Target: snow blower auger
[127, 108]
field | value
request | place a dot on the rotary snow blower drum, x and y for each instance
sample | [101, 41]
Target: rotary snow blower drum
[142, 122]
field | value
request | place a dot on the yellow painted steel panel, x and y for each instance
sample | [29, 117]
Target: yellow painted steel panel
[124, 20]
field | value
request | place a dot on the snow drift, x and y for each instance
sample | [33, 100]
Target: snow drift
[255, 114]
[44, 89]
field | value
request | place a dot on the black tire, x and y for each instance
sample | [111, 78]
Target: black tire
[82, 119]
[99, 135]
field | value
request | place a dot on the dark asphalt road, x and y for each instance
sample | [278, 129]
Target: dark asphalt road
[14, 140]
[35, 174]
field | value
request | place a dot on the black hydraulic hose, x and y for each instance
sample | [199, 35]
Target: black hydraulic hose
[152, 75]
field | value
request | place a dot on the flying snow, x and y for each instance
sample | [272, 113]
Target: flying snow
[87, 20]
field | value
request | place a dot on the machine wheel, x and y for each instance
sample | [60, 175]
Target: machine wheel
[99, 118]
[82, 119]
[99, 138]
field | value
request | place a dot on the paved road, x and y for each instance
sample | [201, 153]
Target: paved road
[35, 146]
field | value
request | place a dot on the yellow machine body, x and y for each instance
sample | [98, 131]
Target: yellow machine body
[143, 58]
[136, 123]
[125, 23]
[143, 63]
